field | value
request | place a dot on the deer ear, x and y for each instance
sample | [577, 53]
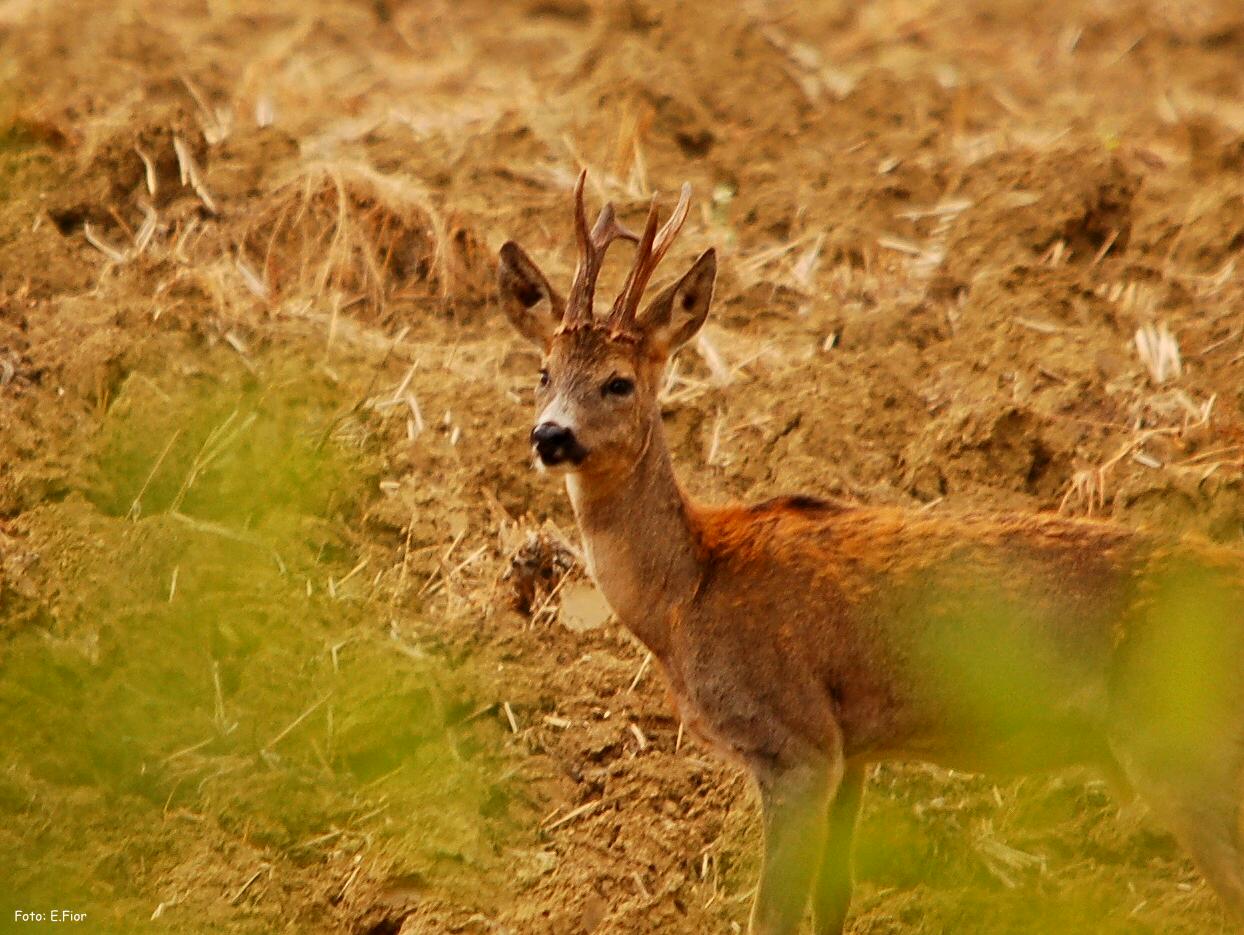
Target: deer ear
[527, 299]
[678, 312]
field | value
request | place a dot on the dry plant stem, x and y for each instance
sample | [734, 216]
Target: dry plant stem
[294, 723]
[136, 504]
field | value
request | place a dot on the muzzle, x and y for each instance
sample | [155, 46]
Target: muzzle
[556, 444]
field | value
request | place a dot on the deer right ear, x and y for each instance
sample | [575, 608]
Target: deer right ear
[527, 299]
[673, 317]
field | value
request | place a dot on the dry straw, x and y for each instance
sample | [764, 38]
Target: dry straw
[1159, 352]
[342, 227]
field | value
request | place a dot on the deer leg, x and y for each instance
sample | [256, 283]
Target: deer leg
[1202, 827]
[1204, 808]
[831, 894]
[795, 803]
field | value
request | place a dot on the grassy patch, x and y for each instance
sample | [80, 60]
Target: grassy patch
[210, 660]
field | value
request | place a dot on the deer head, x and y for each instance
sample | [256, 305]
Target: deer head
[597, 397]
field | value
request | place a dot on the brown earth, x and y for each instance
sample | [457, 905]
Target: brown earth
[263, 468]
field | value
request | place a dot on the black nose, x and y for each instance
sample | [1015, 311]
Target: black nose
[555, 444]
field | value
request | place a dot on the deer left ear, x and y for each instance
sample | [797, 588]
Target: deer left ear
[527, 299]
[675, 316]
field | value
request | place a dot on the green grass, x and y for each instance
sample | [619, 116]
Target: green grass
[181, 703]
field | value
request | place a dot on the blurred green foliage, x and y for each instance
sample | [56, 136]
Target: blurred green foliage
[1181, 669]
[196, 667]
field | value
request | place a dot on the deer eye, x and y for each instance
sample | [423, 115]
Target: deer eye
[544, 378]
[618, 386]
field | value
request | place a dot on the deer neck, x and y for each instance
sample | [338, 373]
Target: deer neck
[639, 541]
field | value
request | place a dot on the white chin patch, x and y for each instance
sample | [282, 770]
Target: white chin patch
[556, 470]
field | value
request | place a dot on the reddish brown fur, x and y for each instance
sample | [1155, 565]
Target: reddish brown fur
[850, 563]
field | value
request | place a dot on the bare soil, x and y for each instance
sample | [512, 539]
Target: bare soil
[268, 661]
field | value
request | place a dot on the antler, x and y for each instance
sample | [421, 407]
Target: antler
[592, 249]
[652, 248]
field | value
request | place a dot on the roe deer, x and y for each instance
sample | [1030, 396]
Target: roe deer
[807, 638]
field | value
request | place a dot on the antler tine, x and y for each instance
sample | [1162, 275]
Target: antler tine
[652, 249]
[582, 271]
[592, 248]
[673, 225]
[608, 228]
[618, 320]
